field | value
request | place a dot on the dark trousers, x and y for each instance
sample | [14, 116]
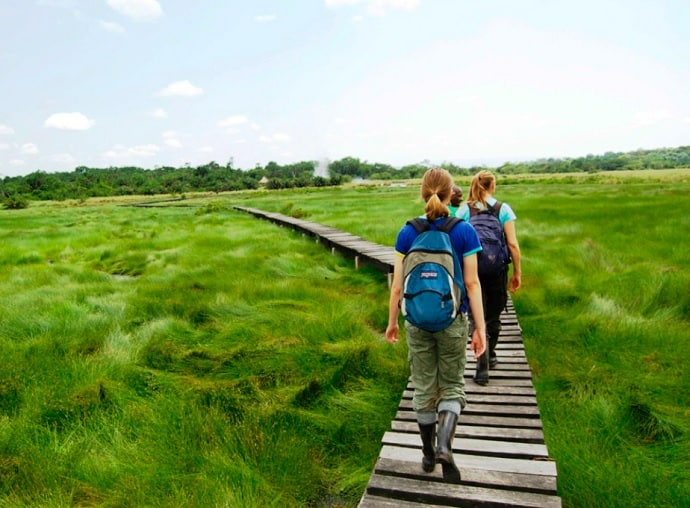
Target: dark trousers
[494, 300]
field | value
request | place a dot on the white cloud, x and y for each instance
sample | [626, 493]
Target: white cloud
[17, 162]
[265, 18]
[69, 121]
[4, 129]
[206, 149]
[281, 137]
[29, 148]
[278, 137]
[4, 146]
[138, 10]
[144, 150]
[159, 113]
[375, 7]
[180, 89]
[233, 121]
[122, 152]
[109, 26]
[171, 139]
[63, 158]
[339, 3]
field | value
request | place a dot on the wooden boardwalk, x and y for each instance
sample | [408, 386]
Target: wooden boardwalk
[498, 446]
[355, 247]
[499, 442]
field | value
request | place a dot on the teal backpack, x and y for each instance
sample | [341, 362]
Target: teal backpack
[433, 288]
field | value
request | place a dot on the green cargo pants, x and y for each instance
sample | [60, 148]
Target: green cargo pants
[437, 364]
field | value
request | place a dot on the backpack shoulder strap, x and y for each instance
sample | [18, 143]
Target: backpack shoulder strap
[419, 225]
[496, 208]
[449, 224]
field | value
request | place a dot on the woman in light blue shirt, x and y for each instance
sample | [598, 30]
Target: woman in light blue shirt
[494, 294]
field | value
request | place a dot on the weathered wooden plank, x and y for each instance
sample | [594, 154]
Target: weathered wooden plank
[488, 398]
[482, 419]
[500, 386]
[481, 398]
[503, 346]
[323, 230]
[470, 476]
[500, 410]
[509, 342]
[498, 464]
[504, 374]
[502, 366]
[489, 409]
[535, 435]
[471, 388]
[470, 446]
[492, 389]
[408, 489]
[505, 355]
[494, 385]
[371, 501]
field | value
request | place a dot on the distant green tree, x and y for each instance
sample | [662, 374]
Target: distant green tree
[349, 166]
[15, 202]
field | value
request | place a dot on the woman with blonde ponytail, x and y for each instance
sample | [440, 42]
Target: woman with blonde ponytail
[494, 286]
[437, 358]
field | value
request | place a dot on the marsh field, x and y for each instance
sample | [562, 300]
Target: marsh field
[191, 355]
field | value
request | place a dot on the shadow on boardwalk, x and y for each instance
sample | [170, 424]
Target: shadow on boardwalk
[499, 442]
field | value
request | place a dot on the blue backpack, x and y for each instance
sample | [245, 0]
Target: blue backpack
[494, 257]
[433, 288]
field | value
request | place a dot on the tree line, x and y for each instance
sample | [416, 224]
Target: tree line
[85, 182]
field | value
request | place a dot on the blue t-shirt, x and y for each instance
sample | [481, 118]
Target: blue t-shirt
[463, 237]
[505, 213]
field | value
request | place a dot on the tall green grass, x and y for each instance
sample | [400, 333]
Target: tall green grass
[195, 356]
[605, 315]
[185, 357]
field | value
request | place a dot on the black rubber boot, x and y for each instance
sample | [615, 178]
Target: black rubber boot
[481, 375]
[447, 421]
[428, 433]
[493, 359]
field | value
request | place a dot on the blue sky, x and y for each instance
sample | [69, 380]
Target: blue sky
[167, 82]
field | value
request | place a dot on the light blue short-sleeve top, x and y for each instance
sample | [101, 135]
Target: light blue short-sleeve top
[505, 214]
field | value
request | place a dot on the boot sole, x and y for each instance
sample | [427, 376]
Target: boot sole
[451, 473]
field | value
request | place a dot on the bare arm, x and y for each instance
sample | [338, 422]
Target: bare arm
[474, 294]
[514, 248]
[393, 310]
